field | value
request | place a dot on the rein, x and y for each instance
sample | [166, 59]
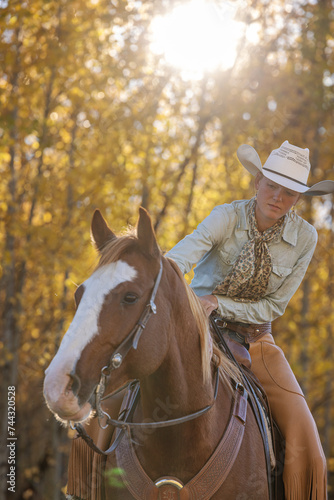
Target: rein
[168, 423]
[126, 425]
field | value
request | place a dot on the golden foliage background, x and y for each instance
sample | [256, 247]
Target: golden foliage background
[90, 118]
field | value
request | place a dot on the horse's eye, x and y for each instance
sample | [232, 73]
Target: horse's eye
[130, 298]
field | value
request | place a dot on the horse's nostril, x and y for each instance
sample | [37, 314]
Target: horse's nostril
[73, 385]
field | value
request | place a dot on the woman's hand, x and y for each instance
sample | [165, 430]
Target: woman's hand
[209, 302]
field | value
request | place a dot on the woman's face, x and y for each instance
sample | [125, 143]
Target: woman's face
[273, 201]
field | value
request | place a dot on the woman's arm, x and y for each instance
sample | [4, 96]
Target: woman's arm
[193, 247]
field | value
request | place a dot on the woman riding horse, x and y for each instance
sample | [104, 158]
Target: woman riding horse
[191, 435]
[250, 258]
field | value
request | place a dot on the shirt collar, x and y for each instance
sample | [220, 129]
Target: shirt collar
[289, 231]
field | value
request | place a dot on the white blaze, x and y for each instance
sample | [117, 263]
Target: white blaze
[84, 326]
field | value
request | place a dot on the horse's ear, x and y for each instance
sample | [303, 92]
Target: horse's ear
[145, 233]
[100, 231]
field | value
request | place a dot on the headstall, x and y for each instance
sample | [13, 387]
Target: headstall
[130, 341]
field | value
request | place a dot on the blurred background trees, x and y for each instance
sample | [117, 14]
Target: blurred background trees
[92, 117]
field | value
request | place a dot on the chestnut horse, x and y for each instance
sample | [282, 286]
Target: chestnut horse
[192, 435]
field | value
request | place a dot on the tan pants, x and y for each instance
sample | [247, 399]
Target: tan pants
[304, 472]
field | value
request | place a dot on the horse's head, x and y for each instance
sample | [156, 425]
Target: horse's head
[109, 304]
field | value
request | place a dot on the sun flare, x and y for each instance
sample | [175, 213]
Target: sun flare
[197, 36]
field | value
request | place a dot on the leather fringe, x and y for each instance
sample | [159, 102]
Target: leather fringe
[85, 472]
[309, 484]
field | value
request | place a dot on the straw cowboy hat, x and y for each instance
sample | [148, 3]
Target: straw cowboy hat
[288, 166]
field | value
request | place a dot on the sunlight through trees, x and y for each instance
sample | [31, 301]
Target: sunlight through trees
[92, 117]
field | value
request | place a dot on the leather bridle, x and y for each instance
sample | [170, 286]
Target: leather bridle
[116, 359]
[130, 342]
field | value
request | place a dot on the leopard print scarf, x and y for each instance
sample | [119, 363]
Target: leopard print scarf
[249, 277]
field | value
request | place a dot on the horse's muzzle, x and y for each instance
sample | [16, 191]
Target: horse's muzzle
[61, 397]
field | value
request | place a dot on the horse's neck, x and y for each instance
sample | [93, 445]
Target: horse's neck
[176, 389]
[179, 379]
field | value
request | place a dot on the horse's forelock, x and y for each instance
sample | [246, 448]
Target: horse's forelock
[115, 248]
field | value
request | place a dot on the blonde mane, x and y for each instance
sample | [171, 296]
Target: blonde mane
[209, 349]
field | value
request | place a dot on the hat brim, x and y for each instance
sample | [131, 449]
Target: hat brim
[249, 158]
[321, 188]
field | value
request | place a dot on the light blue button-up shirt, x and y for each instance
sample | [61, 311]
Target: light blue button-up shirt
[216, 244]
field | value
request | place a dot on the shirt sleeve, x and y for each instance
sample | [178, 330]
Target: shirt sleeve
[272, 306]
[193, 247]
